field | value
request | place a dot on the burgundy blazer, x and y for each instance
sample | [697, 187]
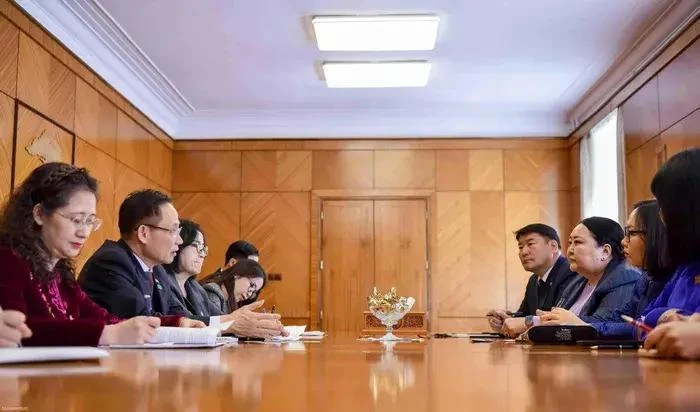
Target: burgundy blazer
[58, 313]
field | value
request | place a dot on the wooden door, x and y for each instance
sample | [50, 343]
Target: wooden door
[347, 244]
[366, 243]
[400, 238]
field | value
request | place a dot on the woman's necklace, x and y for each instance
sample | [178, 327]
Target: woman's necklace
[54, 299]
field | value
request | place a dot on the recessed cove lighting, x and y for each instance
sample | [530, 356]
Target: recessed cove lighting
[376, 74]
[376, 33]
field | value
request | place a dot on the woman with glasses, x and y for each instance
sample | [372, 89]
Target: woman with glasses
[183, 272]
[241, 282]
[43, 227]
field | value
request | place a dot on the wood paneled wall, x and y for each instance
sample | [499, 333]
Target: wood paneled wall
[46, 91]
[479, 192]
[661, 119]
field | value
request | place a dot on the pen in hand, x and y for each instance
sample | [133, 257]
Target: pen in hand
[271, 310]
[637, 324]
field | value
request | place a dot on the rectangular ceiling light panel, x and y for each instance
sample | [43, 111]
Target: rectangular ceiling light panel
[376, 74]
[376, 33]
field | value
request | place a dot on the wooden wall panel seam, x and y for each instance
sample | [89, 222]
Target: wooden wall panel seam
[14, 148]
[374, 169]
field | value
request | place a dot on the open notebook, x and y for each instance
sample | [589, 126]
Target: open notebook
[171, 337]
[50, 354]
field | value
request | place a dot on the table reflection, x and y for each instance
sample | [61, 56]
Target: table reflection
[393, 369]
[134, 380]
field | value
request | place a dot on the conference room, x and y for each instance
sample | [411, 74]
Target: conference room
[334, 205]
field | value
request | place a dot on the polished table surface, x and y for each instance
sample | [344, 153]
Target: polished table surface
[344, 374]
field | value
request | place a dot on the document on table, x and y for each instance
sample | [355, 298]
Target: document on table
[294, 334]
[168, 337]
[50, 354]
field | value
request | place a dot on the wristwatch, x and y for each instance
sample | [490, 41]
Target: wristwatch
[529, 321]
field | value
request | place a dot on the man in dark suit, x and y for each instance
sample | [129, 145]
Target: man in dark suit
[540, 253]
[127, 279]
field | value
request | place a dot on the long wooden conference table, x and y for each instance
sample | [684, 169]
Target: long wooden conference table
[344, 374]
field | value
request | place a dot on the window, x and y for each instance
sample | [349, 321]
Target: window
[602, 180]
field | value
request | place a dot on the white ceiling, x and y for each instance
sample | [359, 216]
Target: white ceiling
[250, 68]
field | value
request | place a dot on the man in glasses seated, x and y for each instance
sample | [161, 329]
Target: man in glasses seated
[126, 277]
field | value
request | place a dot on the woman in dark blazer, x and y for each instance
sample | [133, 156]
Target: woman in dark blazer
[595, 252]
[183, 271]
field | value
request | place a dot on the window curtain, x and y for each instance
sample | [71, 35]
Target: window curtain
[602, 170]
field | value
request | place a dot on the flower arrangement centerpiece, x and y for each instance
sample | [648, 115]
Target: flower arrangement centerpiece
[389, 308]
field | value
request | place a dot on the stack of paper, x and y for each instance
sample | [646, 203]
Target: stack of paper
[294, 334]
[171, 337]
[50, 354]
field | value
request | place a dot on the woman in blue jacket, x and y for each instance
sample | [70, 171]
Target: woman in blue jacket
[595, 252]
[676, 186]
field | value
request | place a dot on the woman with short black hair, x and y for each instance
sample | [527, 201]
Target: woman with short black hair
[595, 252]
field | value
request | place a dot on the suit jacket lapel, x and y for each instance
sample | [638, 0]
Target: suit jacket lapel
[551, 280]
[142, 279]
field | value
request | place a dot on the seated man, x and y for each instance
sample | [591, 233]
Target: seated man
[540, 252]
[238, 250]
[127, 279]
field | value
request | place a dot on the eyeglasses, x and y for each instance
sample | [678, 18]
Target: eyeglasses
[252, 288]
[203, 250]
[81, 221]
[631, 232]
[174, 232]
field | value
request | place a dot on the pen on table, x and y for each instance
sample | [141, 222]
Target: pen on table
[623, 346]
[636, 323]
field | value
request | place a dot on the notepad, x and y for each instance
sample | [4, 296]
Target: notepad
[50, 354]
[168, 337]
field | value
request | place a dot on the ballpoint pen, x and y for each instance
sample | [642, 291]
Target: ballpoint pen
[637, 324]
